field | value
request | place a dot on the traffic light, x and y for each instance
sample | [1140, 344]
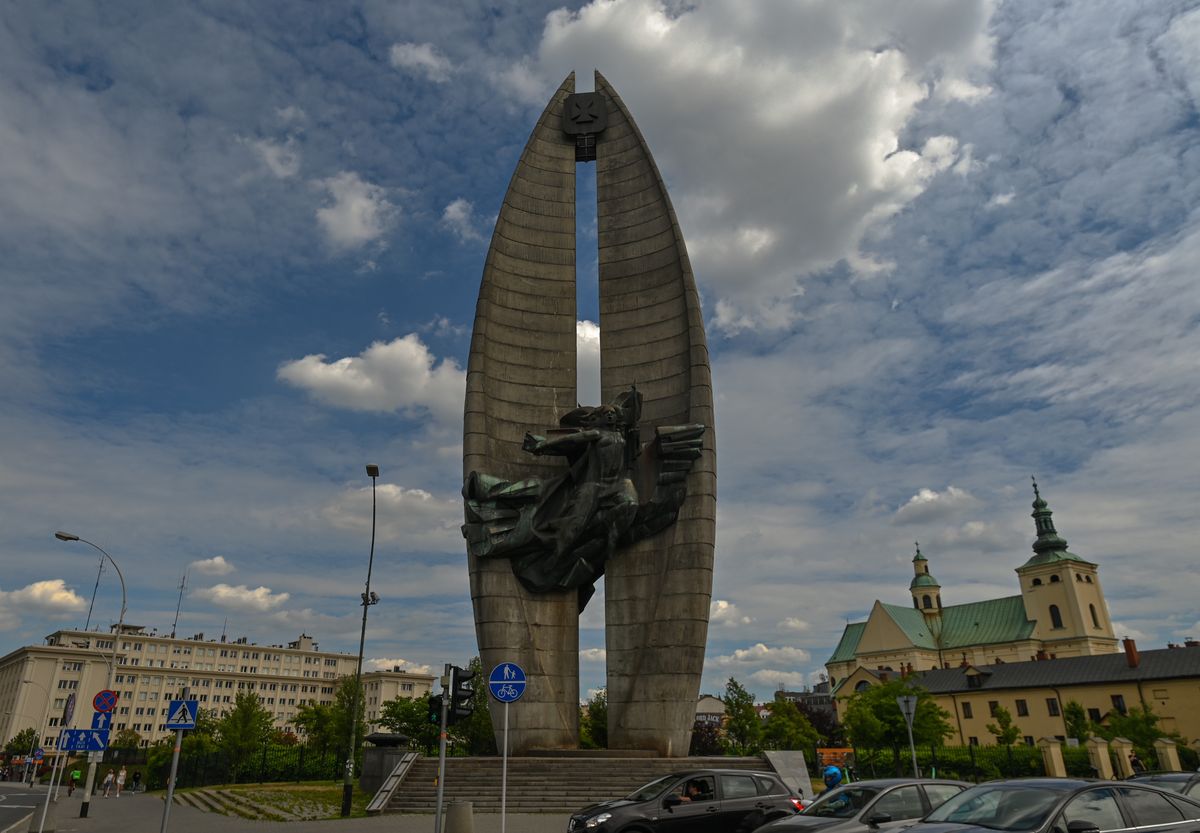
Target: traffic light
[435, 709]
[461, 694]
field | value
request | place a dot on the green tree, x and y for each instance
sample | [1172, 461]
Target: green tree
[409, 716]
[475, 735]
[316, 723]
[873, 719]
[743, 727]
[22, 742]
[1078, 725]
[245, 730]
[1005, 732]
[126, 739]
[787, 728]
[706, 739]
[348, 690]
[594, 721]
[1140, 725]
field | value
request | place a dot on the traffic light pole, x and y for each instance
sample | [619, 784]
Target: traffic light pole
[447, 689]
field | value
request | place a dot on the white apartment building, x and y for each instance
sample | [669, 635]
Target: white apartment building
[152, 670]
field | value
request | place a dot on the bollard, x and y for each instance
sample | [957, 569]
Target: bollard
[459, 818]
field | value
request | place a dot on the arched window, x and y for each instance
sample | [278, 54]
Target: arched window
[1037, 582]
[1088, 579]
[863, 685]
[928, 602]
[1055, 617]
[1078, 577]
[1095, 618]
[1054, 579]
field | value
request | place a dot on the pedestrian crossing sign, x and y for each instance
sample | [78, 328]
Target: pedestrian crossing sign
[182, 714]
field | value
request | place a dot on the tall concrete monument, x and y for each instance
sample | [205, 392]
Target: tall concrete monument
[559, 495]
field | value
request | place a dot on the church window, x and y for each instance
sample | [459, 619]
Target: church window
[1055, 617]
[1037, 582]
[1095, 618]
[928, 602]
[1054, 579]
[862, 685]
[1088, 579]
[1078, 577]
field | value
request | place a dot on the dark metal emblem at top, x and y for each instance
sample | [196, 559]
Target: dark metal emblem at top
[585, 115]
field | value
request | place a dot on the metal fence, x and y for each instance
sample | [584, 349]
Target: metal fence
[965, 763]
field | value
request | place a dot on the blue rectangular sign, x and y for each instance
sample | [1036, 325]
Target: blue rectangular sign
[101, 720]
[83, 740]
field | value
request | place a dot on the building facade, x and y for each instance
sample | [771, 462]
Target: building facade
[152, 670]
[1059, 612]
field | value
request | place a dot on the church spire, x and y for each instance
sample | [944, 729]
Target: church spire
[926, 592]
[1048, 539]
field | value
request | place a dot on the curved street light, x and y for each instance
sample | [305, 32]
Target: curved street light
[112, 668]
[368, 599]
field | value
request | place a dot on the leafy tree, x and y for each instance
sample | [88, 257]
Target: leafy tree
[1140, 725]
[824, 721]
[475, 734]
[1078, 725]
[743, 727]
[1005, 732]
[246, 728]
[706, 738]
[594, 721]
[348, 690]
[788, 728]
[22, 742]
[410, 717]
[873, 719]
[126, 739]
[316, 722]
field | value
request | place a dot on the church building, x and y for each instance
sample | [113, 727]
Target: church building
[1060, 612]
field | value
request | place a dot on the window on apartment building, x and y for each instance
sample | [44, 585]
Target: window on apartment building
[124, 710]
[972, 741]
[331, 662]
[967, 711]
[52, 721]
[1029, 740]
[992, 706]
[60, 702]
[1118, 701]
[1022, 709]
[1052, 706]
[142, 710]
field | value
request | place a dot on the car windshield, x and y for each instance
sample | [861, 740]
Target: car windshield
[653, 789]
[842, 803]
[999, 807]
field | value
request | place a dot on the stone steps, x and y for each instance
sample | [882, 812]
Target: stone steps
[536, 785]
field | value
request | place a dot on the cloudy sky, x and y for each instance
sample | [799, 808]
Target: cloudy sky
[943, 245]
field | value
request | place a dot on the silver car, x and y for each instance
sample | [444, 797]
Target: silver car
[871, 806]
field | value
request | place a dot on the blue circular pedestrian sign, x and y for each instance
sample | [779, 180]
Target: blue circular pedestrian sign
[39, 753]
[507, 682]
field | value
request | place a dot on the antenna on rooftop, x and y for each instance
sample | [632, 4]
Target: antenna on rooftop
[224, 625]
[179, 604]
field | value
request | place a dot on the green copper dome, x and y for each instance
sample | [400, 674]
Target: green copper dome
[923, 580]
[1050, 547]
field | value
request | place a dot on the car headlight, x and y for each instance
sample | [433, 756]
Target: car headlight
[596, 821]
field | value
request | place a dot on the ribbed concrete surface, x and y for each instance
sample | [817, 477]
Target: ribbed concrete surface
[657, 593]
[521, 377]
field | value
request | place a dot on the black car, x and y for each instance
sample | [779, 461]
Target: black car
[692, 801]
[1184, 783]
[1062, 805]
[868, 806]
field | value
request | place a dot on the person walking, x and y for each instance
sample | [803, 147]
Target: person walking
[120, 781]
[109, 778]
[137, 780]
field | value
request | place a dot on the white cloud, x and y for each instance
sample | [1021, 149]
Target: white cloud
[422, 59]
[930, 505]
[399, 375]
[283, 160]
[762, 654]
[386, 664]
[358, 214]
[215, 566]
[791, 623]
[779, 133]
[241, 597]
[459, 217]
[593, 655]
[722, 612]
[778, 679]
[1121, 631]
[412, 516]
[587, 362]
[51, 598]
[1000, 200]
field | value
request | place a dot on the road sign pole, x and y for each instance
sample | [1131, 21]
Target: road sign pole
[504, 774]
[437, 815]
[49, 789]
[174, 770]
[908, 707]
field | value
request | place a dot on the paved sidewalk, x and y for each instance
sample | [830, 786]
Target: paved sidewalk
[142, 813]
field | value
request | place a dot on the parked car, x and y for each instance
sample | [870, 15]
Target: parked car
[692, 801]
[1184, 783]
[868, 806]
[1062, 805]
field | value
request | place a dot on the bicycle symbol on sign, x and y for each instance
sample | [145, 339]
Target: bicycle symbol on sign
[507, 692]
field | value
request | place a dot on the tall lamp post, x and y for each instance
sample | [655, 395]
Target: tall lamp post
[368, 599]
[112, 667]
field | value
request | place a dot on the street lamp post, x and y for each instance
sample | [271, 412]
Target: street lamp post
[41, 730]
[368, 599]
[112, 668]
